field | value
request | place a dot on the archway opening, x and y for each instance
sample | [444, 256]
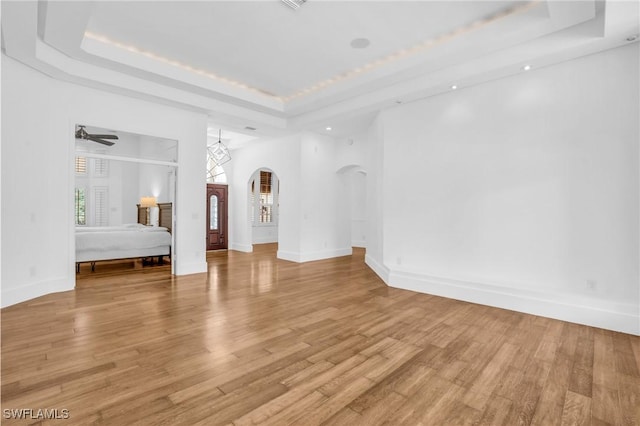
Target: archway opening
[263, 203]
[355, 180]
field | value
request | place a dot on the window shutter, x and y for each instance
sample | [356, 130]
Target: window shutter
[101, 206]
[81, 165]
[100, 167]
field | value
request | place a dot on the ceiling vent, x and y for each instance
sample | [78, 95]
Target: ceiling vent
[294, 4]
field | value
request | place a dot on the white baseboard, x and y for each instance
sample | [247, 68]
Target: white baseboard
[265, 240]
[288, 255]
[311, 256]
[190, 268]
[247, 248]
[623, 317]
[380, 270]
[11, 296]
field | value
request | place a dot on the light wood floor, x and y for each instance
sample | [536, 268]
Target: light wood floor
[258, 340]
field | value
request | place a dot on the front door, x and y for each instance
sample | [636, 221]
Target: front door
[216, 216]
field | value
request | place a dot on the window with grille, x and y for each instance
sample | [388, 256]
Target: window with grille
[264, 198]
[215, 173]
[80, 207]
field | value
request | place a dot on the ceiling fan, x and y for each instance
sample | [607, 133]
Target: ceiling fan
[81, 133]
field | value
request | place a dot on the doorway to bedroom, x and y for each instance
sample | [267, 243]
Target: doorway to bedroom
[124, 190]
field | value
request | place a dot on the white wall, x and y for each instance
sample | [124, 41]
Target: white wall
[521, 193]
[154, 180]
[374, 199]
[325, 228]
[351, 166]
[130, 196]
[357, 186]
[38, 117]
[313, 223]
[262, 234]
[280, 155]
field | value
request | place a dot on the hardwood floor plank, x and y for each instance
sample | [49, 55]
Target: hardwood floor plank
[605, 405]
[495, 369]
[461, 414]
[378, 413]
[629, 397]
[577, 409]
[321, 412]
[603, 360]
[346, 416]
[258, 340]
[290, 414]
[195, 390]
[496, 411]
[307, 374]
[297, 393]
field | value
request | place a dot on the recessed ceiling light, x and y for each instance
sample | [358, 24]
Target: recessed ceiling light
[328, 128]
[526, 67]
[360, 43]
[454, 87]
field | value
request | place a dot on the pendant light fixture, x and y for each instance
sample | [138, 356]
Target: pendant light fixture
[218, 152]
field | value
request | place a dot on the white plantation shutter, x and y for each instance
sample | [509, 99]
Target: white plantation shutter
[100, 167]
[101, 206]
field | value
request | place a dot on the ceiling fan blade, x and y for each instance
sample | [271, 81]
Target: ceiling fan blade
[94, 139]
[104, 136]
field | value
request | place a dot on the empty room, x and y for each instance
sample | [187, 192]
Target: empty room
[320, 212]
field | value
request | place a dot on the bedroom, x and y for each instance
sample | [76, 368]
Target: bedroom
[120, 182]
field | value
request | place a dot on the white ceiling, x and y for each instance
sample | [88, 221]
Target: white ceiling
[264, 65]
[274, 49]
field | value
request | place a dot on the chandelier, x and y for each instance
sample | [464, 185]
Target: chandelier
[218, 152]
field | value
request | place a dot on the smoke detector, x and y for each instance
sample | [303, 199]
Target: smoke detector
[294, 4]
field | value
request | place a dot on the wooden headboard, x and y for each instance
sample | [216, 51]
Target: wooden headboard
[142, 214]
[165, 217]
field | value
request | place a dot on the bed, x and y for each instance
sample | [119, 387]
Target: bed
[126, 241]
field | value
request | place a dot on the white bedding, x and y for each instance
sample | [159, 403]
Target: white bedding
[125, 227]
[120, 242]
